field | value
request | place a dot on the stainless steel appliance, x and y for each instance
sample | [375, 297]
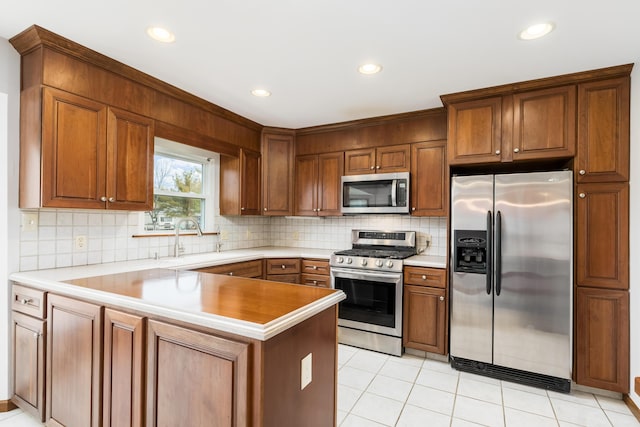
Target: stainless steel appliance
[511, 277]
[377, 193]
[370, 275]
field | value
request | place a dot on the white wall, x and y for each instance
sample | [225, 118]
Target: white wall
[635, 229]
[9, 117]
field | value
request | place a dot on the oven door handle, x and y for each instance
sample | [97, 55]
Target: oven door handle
[378, 276]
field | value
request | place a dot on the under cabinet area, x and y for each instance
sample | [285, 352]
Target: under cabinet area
[81, 153]
[425, 312]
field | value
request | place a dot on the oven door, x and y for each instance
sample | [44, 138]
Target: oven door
[374, 300]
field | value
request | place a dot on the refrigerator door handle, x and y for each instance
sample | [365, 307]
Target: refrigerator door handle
[489, 239]
[498, 259]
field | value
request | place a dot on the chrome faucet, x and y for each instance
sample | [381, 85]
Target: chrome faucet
[177, 249]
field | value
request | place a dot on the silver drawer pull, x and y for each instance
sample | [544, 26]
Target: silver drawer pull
[582, 195]
[424, 277]
[315, 267]
[315, 282]
[284, 266]
[441, 298]
[231, 273]
[582, 172]
[25, 301]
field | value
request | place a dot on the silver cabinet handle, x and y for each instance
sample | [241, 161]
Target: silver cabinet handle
[318, 210]
[315, 267]
[378, 167]
[241, 209]
[373, 167]
[516, 150]
[441, 298]
[265, 209]
[315, 282]
[582, 195]
[25, 301]
[497, 152]
[424, 277]
[283, 267]
[231, 273]
[413, 208]
[111, 200]
[582, 172]
[103, 198]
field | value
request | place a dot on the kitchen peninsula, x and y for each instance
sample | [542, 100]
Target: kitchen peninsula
[159, 346]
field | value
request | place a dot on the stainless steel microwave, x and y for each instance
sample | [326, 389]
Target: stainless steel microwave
[378, 193]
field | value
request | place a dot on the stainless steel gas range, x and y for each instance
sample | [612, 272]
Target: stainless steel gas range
[370, 275]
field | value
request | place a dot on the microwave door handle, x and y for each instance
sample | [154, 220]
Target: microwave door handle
[394, 192]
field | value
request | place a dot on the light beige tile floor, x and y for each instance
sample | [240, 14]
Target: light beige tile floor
[376, 390]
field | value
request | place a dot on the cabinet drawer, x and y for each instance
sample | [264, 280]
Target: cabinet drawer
[316, 280]
[283, 265]
[315, 266]
[286, 278]
[421, 276]
[240, 269]
[29, 301]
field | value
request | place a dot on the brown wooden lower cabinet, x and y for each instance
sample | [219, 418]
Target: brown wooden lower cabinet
[124, 357]
[28, 356]
[74, 363]
[195, 379]
[424, 319]
[602, 339]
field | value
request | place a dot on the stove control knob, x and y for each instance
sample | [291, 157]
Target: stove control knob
[379, 263]
[363, 262]
[349, 260]
[389, 264]
[340, 260]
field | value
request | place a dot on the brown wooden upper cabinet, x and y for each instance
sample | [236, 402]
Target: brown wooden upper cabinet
[429, 178]
[240, 184]
[603, 131]
[278, 164]
[537, 124]
[393, 158]
[318, 184]
[90, 156]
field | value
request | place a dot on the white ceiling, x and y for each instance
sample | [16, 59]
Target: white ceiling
[306, 52]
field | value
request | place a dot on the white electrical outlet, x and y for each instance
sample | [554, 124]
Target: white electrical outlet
[305, 371]
[80, 242]
[224, 235]
[29, 221]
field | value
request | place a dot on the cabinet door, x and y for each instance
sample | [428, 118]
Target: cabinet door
[123, 402]
[429, 177]
[74, 368]
[278, 163]
[129, 161]
[602, 339]
[28, 364]
[544, 123]
[73, 151]
[250, 175]
[306, 185]
[357, 162]
[330, 169]
[475, 131]
[393, 158]
[240, 179]
[424, 319]
[602, 227]
[185, 365]
[603, 131]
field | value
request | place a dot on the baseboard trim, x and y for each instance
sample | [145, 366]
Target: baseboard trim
[632, 406]
[7, 405]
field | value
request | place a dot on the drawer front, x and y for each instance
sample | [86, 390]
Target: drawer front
[29, 301]
[315, 266]
[434, 277]
[283, 265]
[315, 280]
[252, 269]
[286, 278]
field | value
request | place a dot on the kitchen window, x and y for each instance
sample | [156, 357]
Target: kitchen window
[185, 185]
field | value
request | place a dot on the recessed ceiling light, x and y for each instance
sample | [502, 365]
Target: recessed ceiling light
[161, 34]
[536, 31]
[370, 68]
[260, 92]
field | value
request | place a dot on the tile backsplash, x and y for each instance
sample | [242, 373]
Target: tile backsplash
[52, 244]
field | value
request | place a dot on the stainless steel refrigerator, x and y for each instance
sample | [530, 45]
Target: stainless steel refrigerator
[511, 276]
